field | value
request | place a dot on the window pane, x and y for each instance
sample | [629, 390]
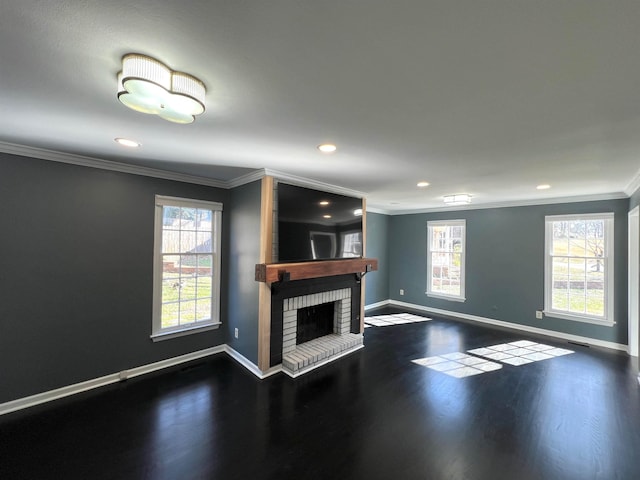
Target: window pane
[187, 241]
[577, 300]
[170, 312]
[203, 310]
[203, 288]
[170, 290]
[577, 247]
[204, 244]
[170, 217]
[187, 312]
[170, 241]
[170, 266]
[203, 219]
[188, 218]
[560, 241]
[560, 300]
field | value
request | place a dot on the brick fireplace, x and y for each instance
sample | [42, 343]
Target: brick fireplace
[292, 300]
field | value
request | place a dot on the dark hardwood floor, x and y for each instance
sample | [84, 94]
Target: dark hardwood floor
[371, 415]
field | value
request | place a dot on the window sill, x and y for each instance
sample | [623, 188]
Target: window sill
[160, 336]
[446, 297]
[578, 318]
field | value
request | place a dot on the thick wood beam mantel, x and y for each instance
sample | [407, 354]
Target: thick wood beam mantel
[276, 272]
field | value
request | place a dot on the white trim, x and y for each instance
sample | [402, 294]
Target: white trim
[69, 390]
[157, 332]
[633, 280]
[315, 184]
[442, 296]
[160, 336]
[463, 253]
[607, 319]
[514, 203]
[85, 161]
[249, 365]
[577, 318]
[73, 159]
[58, 393]
[323, 362]
[246, 178]
[371, 306]
[514, 326]
[634, 185]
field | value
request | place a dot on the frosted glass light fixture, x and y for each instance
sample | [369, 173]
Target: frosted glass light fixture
[149, 86]
[457, 199]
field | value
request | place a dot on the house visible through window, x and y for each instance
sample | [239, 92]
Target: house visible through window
[579, 267]
[186, 266]
[446, 259]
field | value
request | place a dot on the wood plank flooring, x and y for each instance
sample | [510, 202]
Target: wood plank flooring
[372, 415]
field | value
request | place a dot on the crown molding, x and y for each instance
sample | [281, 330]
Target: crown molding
[73, 159]
[307, 182]
[246, 178]
[518, 203]
[634, 185]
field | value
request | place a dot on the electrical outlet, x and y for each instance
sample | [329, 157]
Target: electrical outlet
[539, 314]
[402, 291]
[235, 333]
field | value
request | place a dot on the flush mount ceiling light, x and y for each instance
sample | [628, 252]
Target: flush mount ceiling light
[125, 142]
[149, 86]
[357, 212]
[423, 184]
[457, 199]
[327, 148]
[544, 186]
[324, 203]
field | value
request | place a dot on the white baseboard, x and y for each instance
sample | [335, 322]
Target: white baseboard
[249, 365]
[383, 303]
[58, 393]
[514, 326]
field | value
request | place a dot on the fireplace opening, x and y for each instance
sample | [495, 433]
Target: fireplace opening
[315, 321]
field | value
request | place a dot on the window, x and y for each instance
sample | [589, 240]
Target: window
[351, 244]
[445, 259]
[186, 293]
[579, 267]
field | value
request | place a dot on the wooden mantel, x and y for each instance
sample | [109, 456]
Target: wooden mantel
[276, 272]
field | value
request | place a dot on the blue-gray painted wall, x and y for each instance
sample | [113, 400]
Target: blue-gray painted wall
[244, 253]
[504, 264]
[76, 274]
[634, 201]
[377, 235]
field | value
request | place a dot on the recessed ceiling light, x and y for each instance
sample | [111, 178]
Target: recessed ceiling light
[423, 184]
[324, 203]
[544, 186]
[125, 142]
[457, 199]
[326, 216]
[327, 148]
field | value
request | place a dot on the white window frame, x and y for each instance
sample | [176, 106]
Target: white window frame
[449, 223]
[607, 318]
[159, 333]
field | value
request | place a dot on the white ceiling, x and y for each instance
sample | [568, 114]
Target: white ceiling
[485, 97]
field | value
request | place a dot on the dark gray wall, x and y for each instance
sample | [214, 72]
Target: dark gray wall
[504, 264]
[634, 201]
[377, 283]
[244, 253]
[76, 274]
